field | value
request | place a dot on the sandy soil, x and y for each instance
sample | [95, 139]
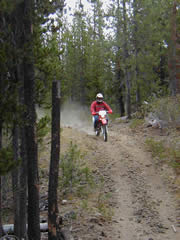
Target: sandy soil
[143, 203]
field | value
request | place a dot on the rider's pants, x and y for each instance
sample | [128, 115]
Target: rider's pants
[95, 120]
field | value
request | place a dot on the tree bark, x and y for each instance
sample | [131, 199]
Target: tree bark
[126, 68]
[172, 55]
[120, 87]
[54, 164]
[1, 228]
[118, 71]
[23, 167]
[30, 128]
[21, 218]
[15, 181]
[121, 104]
[135, 40]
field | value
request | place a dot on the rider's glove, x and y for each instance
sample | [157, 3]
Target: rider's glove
[110, 111]
[93, 113]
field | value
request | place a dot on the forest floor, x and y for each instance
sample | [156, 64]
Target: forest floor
[138, 198]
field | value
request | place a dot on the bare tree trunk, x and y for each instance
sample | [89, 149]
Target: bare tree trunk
[1, 228]
[126, 69]
[23, 167]
[128, 93]
[1, 127]
[30, 128]
[54, 164]
[135, 40]
[172, 54]
[15, 181]
[121, 105]
[22, 186]
[120, 87]
[118, 71]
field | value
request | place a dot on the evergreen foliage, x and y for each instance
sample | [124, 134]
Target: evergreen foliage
[88, 54]
[74, 172]
[7, 162]
[43, 128]
[129, 52]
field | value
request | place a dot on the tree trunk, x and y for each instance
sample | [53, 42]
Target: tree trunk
[1, 228]
[23, 167]
[30, 128]
[54, 164]
[128, 94]
[135, 40]
[118, 71]
[121, 104]
[21, 211]
[120, 87]
[23, 188]
[15, 181]
[172, 54]
[126, 68]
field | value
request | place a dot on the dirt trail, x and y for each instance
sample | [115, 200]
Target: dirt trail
[145, 207]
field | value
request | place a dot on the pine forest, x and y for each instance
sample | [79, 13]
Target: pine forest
[129, 51]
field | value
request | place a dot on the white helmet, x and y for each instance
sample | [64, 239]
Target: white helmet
[99, 97]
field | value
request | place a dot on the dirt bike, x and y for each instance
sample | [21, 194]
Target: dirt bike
[102, 124]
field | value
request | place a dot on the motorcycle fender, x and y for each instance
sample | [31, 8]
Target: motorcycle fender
[104, 121]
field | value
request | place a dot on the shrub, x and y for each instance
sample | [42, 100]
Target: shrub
[156, 147]
[7, 162]
[136, 123]
[43, 128]
[168, 110]
[75, 176]
[170, 154]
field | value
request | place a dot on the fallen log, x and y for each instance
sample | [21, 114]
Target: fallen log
[66, 235]
[9, 228]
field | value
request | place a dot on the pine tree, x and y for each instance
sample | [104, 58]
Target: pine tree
[30, 133]
[54, 164]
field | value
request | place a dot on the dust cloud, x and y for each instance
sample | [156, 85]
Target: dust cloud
[74, 115]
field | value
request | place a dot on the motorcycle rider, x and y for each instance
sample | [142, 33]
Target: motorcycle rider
[96, 106]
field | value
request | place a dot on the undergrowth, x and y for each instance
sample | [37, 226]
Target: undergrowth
[43, 128]
[136, 123]
[77, 181]
[167, 109]
[167, 154]
[75, 176]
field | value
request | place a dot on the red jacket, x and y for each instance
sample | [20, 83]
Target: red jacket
[96, 107]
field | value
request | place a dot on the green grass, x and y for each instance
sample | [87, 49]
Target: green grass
[136, 123]
[75, 176]
[168, 154]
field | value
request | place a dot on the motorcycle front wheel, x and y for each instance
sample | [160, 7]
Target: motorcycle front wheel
[105, 132]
